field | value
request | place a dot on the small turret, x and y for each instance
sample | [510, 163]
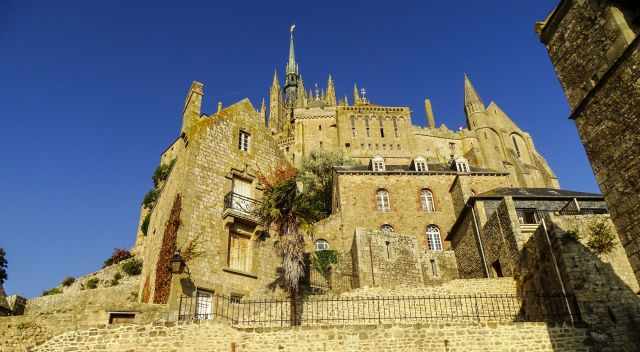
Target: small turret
[331, 93]
[275, 104]
[192, 106]
[429, 112]
[356, 94]
[263, 111]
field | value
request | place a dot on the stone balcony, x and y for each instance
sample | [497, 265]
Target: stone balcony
[239, 207]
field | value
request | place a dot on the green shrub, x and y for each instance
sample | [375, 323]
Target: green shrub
[68, 281]
[601, 239]
[150, 198]
[92, 283]
[116, 279]
[145, 224]
[132, 267]
[322, 261]
[162, 173]
[117, 256]
[53, 291]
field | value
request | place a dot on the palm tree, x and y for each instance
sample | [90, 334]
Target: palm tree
[289, 213]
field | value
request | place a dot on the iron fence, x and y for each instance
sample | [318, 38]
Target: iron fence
[377, 310]
[240, 203]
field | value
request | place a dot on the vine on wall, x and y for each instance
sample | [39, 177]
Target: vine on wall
[168, 248]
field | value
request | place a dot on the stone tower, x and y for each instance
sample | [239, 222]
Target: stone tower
[593, 46]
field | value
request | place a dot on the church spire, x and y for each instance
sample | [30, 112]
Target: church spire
[472, 101]
[292, 66]
[292, 79]
[331, 93]
[276, 82]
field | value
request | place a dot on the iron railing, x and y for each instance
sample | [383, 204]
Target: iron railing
[240, 203]
[378, 310]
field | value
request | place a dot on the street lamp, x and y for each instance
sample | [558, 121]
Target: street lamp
[176, 264]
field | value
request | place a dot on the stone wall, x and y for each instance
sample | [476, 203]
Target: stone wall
[392, 259]
[49, 316]
[593, 46]
[603, 284]
[215, 336]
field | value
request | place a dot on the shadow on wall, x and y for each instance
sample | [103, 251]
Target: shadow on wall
[555, 261]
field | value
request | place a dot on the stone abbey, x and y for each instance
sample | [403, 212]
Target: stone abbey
[407, 179]
[442, 240]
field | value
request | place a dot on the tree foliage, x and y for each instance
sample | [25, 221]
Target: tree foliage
[288, 212]
[316, 173]
[601, 238]
[3, 266]
[117, 256]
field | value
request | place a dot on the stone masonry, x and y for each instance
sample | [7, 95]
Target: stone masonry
[593, 46]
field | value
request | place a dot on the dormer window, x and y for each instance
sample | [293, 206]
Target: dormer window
[420, 164]
[462, 165]
[377, 164]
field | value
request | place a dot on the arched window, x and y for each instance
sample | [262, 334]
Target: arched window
[515, 145]
[386, 228]
[433, 238]
[377, 163]
[321, 245]
[426, 199]
[420, 164]
[382, 198]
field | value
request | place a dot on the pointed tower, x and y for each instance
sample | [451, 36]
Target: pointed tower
[263, 112]
[275, 104]
[301, 94]
[356, 94]
[292, 78]
[331, 93]
[472, 103]
[192, 106]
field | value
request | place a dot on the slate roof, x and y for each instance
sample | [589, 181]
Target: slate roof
[536, 193]
[409, 167]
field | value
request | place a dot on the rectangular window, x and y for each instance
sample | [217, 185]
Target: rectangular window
[452, 148]
[243, 141]
[381, 127]
[395, 127]
[239, 258]
[353, 126]
[366, 124]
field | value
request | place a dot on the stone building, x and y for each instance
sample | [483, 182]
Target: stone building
[409, 180]
[461, 236]
[593, 46]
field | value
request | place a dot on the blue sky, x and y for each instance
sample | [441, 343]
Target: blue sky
[91, 93]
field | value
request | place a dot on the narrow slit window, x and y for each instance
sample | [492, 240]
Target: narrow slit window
[243, 141]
